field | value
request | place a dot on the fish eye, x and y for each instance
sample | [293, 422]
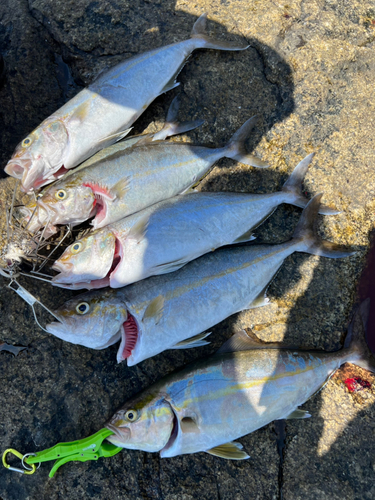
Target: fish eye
[76, 247]
[83, 308]
[60, 195]
[38, 196]
[131, 415]
[26, 142]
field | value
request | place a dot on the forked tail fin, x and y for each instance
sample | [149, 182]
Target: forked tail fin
[235, 149]
[356, 338]
[199, 32]
[172, 126]
[307, 234]
[293, 187]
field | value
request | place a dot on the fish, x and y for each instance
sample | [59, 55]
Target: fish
[36, 217]
[166, 236]
[130, 180]
[174, 311]
[246, 385]
[102, 113]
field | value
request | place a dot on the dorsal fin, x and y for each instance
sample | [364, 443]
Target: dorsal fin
[241, 341]
[248, 341]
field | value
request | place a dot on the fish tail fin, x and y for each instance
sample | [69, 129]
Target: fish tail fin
[235, 149]
[355, 341]
[307, 234]
[293, 188]
[172, 126]
[199, 33]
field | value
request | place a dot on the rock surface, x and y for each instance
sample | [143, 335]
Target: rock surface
[309, 74]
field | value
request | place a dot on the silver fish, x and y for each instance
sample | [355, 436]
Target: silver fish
[246, 385]
[36, 217]
[100, 115]
[166, 236]
[171, 311]
[135, 178]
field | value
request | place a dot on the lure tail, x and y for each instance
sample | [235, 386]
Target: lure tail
[307, 234]
[235, 149]
[356, 339]
[199, 33]
[293, 188]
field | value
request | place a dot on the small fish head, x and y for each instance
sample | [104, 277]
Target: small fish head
[40, 155]
[93, 319]
[144, 423]
[68, 202]
[35, 217]
[89, 258]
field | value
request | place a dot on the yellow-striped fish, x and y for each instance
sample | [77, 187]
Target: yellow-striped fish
[245, 386]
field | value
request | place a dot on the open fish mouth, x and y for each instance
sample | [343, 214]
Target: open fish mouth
[17, 168]
[121, 435]
[76, 335]
[129, 337]
[64, 269]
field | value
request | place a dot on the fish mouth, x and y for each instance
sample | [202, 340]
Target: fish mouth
[30, 171]
[120, 435]
[47, 208]
[64, 269]
[129, 338]
[69, 332]
[17, 168]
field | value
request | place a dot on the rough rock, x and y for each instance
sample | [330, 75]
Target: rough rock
[309, 75]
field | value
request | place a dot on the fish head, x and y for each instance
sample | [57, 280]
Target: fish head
[68, 201]
[146, 423]
[89, 258]
[35, 217]
[93, 319]
[40, 155]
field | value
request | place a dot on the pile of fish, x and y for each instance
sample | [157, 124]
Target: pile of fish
[154, 281]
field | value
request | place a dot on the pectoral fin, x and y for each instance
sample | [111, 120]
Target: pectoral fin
[116, 137]
[196, 341]
[188, 425]
[298, 414]
[138, 231]
[120, 189]
[169, 267]
[230, 451]
[155, 309]
[80, 113]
